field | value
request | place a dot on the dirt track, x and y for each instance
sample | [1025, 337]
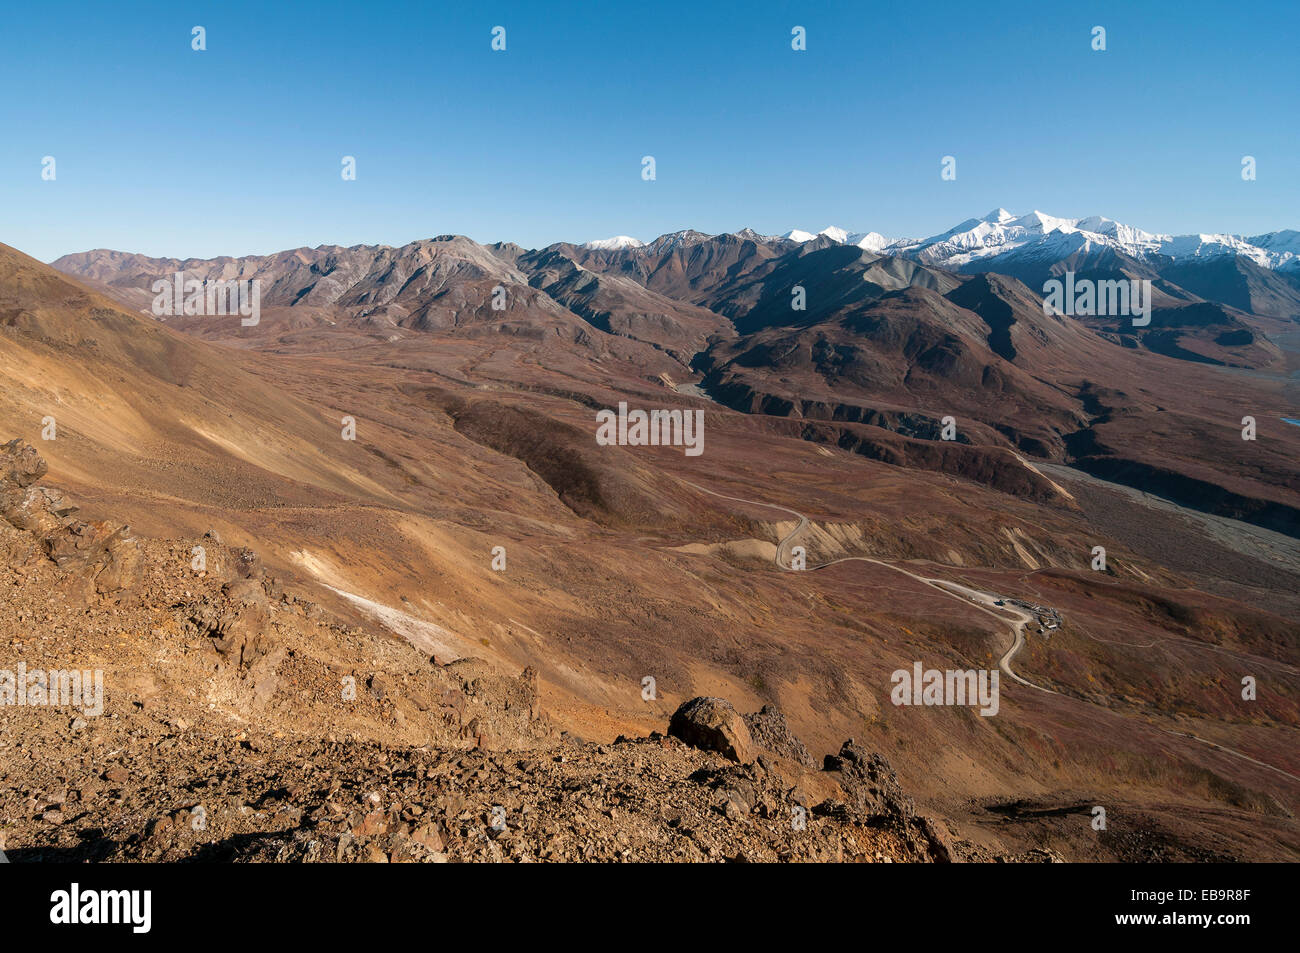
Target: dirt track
[982, 600]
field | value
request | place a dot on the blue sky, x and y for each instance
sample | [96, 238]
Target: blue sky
[238, 149]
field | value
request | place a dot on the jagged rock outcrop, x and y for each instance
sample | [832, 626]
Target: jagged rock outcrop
[238, 627]
[769, 730]
[20, 464]
[102, 553]
[874, 792]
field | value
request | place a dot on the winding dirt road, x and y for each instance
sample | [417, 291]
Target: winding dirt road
[984, 602]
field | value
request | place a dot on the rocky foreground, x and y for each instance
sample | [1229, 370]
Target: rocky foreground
[242, 722]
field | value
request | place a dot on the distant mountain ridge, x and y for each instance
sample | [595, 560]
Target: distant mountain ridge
[835, 336]
[1036, 236]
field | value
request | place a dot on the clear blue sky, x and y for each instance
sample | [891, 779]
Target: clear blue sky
[237, 150]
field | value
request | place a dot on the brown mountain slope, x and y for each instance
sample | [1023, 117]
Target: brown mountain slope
[130, 390]
[478, 441]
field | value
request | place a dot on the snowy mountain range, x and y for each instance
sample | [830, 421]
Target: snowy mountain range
[1033, 237]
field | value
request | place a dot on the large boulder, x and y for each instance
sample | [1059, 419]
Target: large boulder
[713, 724]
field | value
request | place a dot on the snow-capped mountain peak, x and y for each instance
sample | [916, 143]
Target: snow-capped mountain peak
[1041, 221]
[871, 241]
[618, 241]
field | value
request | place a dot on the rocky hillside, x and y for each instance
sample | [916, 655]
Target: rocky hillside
[241, 721]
